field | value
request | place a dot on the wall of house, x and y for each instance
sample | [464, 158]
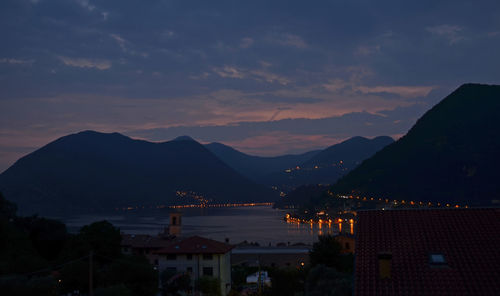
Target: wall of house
[225, 273]
[147, 252]
[220, 265]
[347, 244]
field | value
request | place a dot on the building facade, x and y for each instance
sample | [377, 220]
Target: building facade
[198, 257]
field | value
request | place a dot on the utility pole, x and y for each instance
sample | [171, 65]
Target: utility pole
[91, 276]
[259, 278]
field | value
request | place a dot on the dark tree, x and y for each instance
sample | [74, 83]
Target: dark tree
[25, 286]
[326, 251]
[208, 286]
[173, 283]
[48, 236]
[7, 209]
[74, 276]
[286, 281]
[325, 281]
[118, 290]
[102, 238]
[135, 273]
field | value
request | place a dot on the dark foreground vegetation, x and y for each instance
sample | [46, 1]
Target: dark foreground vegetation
[39, 257]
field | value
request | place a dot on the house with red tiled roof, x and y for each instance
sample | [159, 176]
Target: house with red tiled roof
[147, 245]
[428, 252]
[198, 257]
[143, 244]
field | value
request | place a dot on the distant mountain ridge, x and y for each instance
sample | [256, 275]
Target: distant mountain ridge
[257, 167]
[351, 152]
[451, 154]
[91, 170]
[327, 166]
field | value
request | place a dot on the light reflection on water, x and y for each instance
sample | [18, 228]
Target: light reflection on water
[260, 224]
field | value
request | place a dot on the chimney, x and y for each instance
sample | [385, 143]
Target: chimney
[384, 265]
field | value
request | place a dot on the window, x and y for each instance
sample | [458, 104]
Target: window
[189, 269]
[171, 257]
[207, 257]
[208, 271]
[437, 259]
[189, 257]
[156, 261]
[171, 269]
[347, 246]
[385, 265]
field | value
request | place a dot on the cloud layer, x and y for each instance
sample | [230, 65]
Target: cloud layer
[285, 76]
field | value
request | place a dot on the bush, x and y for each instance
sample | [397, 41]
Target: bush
[209, 286]
[118, 290]
[326, 281]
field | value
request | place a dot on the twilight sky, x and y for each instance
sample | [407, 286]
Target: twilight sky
[266, 77]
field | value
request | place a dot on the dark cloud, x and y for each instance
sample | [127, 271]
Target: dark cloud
[220, 62]
[391, 122]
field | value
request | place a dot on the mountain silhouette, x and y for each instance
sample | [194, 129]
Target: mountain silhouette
[450, 155]
[327, 166]
[91, 170]
[257, 167]
[351, 152]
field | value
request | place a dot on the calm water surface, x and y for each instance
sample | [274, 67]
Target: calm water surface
[261, 224]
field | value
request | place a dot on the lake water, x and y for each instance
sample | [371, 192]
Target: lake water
[261, 224]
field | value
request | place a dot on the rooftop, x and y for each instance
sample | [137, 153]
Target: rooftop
[145, 241]
[436, 251]
[196, 245]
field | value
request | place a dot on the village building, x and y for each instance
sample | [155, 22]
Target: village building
[198, 257]
[147, 245]
[195, 256]
[346, 241]
[428, 252]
